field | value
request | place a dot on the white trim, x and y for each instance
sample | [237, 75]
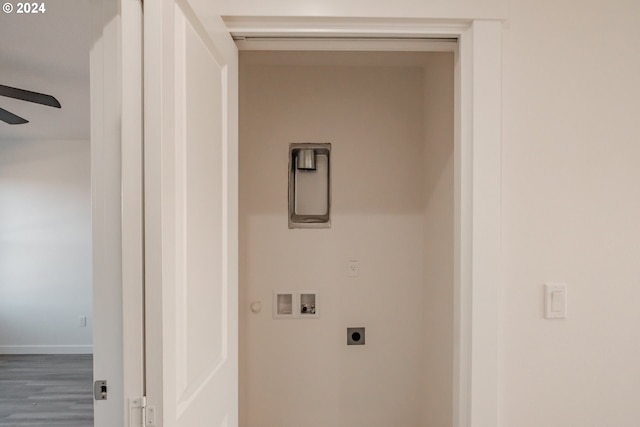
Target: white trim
[341, 44]
[340, 27]
[485, 227]
[463, 220]
[116, 184]
[132, 201]
[46, 349]
[477, 184]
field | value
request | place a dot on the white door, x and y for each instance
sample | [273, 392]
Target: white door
[190, 107]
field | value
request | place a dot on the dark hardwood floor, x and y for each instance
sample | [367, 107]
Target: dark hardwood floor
[46, 390]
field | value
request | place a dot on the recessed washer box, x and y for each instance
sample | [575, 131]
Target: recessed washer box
[308, 304]
[296, 304]
[283, 304]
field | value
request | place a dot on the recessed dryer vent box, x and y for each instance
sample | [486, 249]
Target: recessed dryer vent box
[296, 304]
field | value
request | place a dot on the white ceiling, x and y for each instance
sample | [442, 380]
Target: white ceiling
[47, 53]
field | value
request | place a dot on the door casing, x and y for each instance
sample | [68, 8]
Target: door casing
[477, 158]
[116, 181]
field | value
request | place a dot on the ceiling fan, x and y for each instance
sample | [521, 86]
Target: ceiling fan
[24, 95]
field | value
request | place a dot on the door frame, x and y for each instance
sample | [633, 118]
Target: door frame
[477, 187]
[116, 188]
[477, 170]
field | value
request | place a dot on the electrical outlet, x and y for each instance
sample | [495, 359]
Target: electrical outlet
[353, 268]
[83, 321]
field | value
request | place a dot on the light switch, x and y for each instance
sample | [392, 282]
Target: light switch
[555, 300]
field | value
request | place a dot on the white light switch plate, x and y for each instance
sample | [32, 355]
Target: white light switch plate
[555, 300]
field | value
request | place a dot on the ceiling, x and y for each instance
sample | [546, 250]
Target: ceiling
[47, 53]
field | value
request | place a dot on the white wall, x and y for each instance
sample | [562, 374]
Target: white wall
[293, 370]
[45, 247]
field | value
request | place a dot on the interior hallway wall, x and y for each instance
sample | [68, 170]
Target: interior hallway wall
[302, 371]
[571, 205]
[45, 247]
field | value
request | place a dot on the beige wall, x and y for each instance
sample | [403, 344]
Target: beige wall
[570, 206]
[297, 372]
[571, 209]
[438, 242]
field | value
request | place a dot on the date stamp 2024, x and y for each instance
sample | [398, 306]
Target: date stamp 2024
[24, 8]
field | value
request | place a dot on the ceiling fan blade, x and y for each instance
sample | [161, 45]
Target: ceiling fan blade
[11, 118]
[27, 95]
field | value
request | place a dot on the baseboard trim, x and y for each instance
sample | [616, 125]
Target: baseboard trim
[46, 349]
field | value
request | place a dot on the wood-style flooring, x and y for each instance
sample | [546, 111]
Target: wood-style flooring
[46, 390]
